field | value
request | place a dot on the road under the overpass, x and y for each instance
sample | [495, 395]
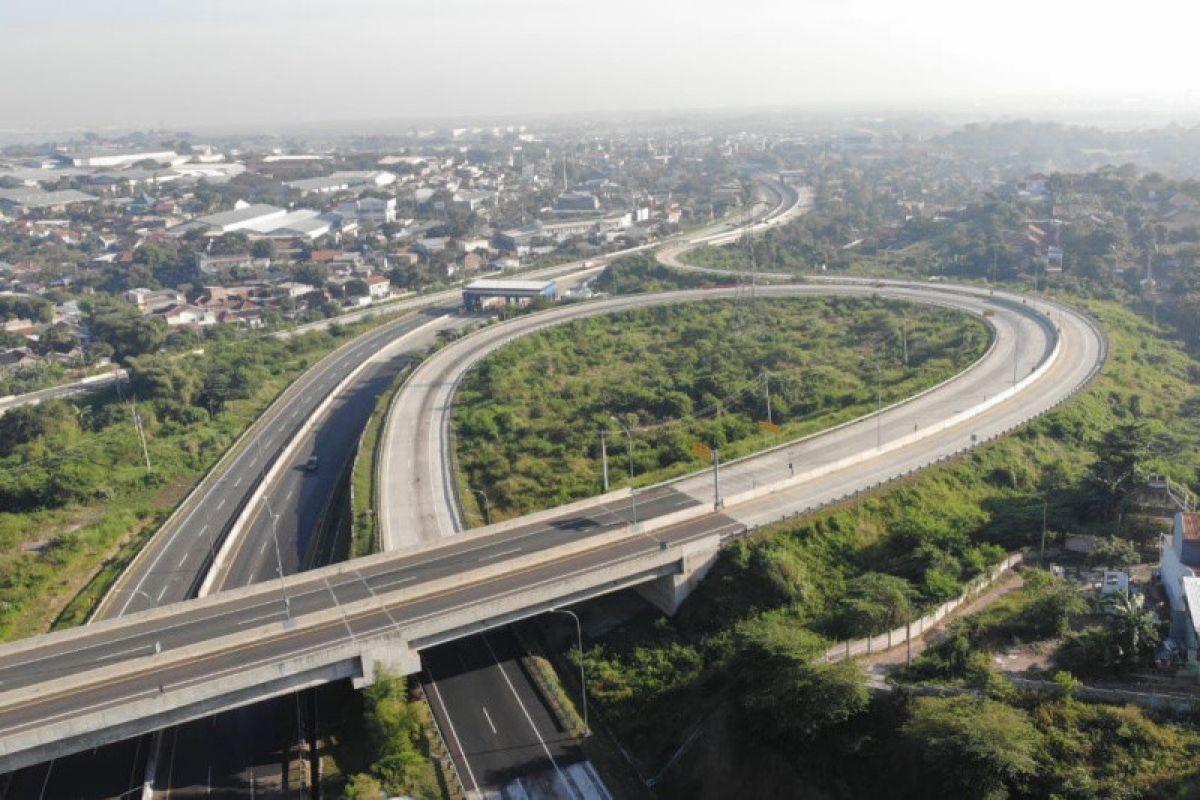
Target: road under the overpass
[245, 732]
[369, 589]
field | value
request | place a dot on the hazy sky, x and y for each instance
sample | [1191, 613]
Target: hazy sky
[181, 63]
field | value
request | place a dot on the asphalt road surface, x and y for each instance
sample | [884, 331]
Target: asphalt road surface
[90, 384]
[101, 773]
[503, 738]
[245, 743]
[417, 496]
[247, 752]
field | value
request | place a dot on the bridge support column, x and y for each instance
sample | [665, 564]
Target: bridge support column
[696, 559]
[392, 655]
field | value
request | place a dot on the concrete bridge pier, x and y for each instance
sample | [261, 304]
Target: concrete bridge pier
[695, 560]
[392, 655]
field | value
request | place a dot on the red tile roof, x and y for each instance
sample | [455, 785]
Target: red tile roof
[1191, 525]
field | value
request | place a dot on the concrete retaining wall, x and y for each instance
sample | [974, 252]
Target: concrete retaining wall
[916, 628]
[284, 459]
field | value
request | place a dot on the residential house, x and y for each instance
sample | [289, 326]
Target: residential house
[1179, 569]
[378, 287]
[17, 357]
[150, 301]
[180, 314]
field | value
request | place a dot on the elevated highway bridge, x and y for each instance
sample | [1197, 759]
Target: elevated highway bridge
[74, 690]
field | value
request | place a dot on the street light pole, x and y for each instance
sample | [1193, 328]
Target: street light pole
[878, 410]
[604, 456]
[587, 731]
[632, 490]
[718, 503]
[767, 391]
[287, 601]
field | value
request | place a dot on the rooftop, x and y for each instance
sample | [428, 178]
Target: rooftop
[1191, 525]
[37, 198]
[515, 286]
[1191, 590]
[317, 184]
[243, 214]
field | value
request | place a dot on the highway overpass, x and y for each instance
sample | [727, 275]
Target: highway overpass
[77, 689]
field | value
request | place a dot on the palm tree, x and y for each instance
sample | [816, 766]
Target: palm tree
[1134, 628]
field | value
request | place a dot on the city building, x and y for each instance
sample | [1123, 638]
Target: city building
[244, 215]
[1179, 568]
[114, 158]
[369, 210]
[378, 287]
[577, 201]
[485, 294]
[23, 200]
[343, 181]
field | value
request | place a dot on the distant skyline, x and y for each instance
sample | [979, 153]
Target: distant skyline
[77, 64]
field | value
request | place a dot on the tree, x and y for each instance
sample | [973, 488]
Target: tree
[799, 699]
[230, 244]
[1134, 628]
[1087, 653]
[127, 331]
[1112, 553]
[789, 693]
[877, 602]
[160, 378]
[312, 273]
[222, 383]
[153, 254]
[32, 308]
[971, 747]
[23, 424]
[1055, 605]
[395, 730]
[263, 248]
[363, 787]
[1118, 454]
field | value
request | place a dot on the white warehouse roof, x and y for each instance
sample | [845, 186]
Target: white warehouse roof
[243, 217]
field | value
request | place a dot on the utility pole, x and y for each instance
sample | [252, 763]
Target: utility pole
[767, 389]
[904, 337]
[604, 456]
[718, 503]
[878, 410]
[137, 423]
[1042, 557]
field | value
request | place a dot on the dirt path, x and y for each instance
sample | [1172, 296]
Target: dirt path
[878, 664]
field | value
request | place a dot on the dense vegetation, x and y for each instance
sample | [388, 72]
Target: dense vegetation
[1099, 639]
[528, 417]
[394, 753]
[73, 480]
[781, 598]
